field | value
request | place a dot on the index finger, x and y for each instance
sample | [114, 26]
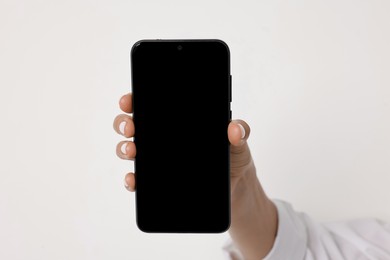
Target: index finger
[126, 103]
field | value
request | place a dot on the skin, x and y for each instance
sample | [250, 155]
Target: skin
[253, 215]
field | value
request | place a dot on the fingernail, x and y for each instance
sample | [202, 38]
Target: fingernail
[242, 131]
[125, 183]
[122, 126]
[123, 148]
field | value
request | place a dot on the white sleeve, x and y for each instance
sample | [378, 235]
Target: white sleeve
[301, 238]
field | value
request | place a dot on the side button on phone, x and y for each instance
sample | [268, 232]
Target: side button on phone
[230, 88]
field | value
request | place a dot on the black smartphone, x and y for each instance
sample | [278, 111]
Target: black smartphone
[181, 93]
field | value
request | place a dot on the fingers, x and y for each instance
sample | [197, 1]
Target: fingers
[238, 132]
[126, 150]
[124, 125]
[126, 103]
[129, 181]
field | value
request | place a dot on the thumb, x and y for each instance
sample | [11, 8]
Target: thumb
[238, 132]
[240, 156]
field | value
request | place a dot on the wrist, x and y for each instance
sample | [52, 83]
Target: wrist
[254, 217]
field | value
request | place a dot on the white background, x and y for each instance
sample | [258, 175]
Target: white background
[312, 78]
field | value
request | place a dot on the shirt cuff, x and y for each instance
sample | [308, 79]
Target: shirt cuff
[291, 237]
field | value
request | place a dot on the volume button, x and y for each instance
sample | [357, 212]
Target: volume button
[230, 88]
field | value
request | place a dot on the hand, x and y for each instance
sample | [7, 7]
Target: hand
[253, 216]
[238, 133]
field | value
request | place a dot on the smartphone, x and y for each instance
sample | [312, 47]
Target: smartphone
[181, 92]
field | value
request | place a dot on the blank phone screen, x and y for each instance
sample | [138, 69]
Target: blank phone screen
[181, 111]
